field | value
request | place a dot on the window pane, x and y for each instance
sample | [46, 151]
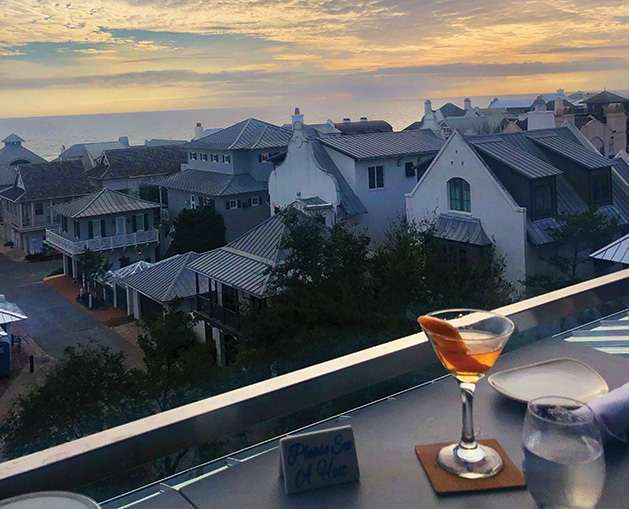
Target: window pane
[379, 176]
[467, 202]
[455, 189]
[372, 177]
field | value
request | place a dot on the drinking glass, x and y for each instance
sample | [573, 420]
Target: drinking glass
[468, 345]
[564, 465]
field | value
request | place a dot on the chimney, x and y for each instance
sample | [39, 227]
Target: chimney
[124, 140]
[558, 106]
[297, 117]
[560, 91]
[198, 131]
[363, 119]
[347, 120]
[427, 106]
[467, 102]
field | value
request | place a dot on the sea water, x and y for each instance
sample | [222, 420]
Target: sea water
[564, 470]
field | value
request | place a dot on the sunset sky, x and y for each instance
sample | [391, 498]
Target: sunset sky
[96, 56]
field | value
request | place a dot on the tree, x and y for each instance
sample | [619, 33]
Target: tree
[149, 192]
[575, 237]
[198, 230]
[94, 266]
[487, 128]
[320, 288]
[175, 360]
[88, 391]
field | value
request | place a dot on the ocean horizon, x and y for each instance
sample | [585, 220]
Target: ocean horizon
[47, 136]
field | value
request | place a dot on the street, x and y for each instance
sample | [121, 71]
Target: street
[53, 321]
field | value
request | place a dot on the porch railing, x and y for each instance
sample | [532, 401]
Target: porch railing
[73, 247]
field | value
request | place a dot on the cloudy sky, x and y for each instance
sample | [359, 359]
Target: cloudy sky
[94, 56]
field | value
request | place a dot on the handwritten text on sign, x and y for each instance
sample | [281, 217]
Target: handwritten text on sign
[318, 459]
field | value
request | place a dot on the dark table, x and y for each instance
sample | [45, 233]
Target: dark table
[385, 434]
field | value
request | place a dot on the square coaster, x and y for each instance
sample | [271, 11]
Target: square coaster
[444, 482]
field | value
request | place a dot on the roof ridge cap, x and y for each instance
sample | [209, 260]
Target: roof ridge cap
[183, 266]
[96, 195]
[264, 129]
[247, 122]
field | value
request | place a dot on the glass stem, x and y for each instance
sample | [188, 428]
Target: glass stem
[468, 442]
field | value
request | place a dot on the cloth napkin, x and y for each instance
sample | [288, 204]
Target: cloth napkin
[612, 413]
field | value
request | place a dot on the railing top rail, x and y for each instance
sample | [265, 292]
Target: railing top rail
[124, 447]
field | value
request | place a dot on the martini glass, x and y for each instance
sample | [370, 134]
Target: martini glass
[468, 345]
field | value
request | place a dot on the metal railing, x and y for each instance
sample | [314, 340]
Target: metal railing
[73, 247]
[119, 449]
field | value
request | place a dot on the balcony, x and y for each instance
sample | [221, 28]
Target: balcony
[386, 430]
[74, 247]
[218, 314]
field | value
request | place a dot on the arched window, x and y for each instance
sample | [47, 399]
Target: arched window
[459, 191]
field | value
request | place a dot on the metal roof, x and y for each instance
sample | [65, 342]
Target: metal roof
[381, 145]
[350, 203]
[245, 262]
[165, 280]
[102, 203]
[519, 160]
[10, 312]
[622, 167]
[573, 151]
[461, 229]
[44, 181]
[363, 127]
[113, 276]
[617, 251]
[140, 161]
[515, 103]
[212, 183]
[13, 138]
[606, 97]
[9, 154]
[246, 135]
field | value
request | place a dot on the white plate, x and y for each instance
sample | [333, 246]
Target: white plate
[559, 377]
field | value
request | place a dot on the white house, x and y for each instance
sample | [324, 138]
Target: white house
[514, 185]
[360, 178]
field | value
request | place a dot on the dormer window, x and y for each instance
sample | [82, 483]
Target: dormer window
[600, 188]
[459, 192]
[543, 198]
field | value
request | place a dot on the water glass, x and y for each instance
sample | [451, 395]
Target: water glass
[564, 465]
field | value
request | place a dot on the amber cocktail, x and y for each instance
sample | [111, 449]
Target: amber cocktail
[468, 342]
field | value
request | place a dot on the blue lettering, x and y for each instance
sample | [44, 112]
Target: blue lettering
[303, 476]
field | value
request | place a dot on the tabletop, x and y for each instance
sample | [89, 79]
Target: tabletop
[385, 436]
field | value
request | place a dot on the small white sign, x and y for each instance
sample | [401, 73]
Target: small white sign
[321, 458]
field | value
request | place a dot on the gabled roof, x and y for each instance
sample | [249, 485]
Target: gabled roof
[245, 262]
[102, 203]
[58, 179]
[350, 203]
[139, 161]
[517, 159]
[249, 134]
[451, 110]
[384, 145]
[460, 229]
[13, 138]
[617, 251]
[91, 150]
[212, 183]
[622, 167]
[573, 151]
[606, 97]
[165, 280]
[113, 276]
[10, 312]
[10, 154]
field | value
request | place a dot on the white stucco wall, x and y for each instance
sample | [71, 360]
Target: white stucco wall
[502, 219]
[300, 173]
[388, 203]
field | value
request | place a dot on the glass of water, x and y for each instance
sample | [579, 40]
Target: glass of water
[564, 465]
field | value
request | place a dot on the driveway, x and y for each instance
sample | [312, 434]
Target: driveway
[53, 321]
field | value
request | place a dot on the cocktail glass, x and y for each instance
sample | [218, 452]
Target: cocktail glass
[468, 342]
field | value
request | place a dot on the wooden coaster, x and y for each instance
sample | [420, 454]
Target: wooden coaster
[444, 482]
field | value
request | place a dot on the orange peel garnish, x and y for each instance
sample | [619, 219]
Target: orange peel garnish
[444, 334]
